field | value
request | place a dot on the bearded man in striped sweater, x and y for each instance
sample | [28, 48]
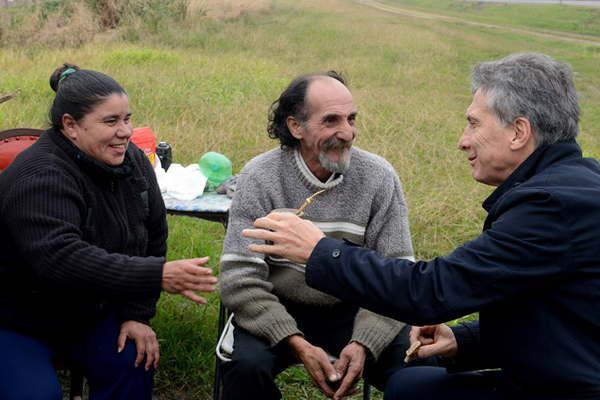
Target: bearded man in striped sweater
[278, 319]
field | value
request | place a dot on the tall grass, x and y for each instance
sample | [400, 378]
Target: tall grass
[72, 23]
[206, 84]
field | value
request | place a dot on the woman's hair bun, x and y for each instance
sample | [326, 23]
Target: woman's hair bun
[55, 78]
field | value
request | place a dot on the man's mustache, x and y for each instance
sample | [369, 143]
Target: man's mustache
[336, 144]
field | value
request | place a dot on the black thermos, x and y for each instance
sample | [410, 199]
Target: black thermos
[164, 154]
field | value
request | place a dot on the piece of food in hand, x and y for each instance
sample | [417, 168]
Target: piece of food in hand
[411, 352]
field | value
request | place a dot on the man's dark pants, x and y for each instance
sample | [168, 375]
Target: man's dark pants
[421, 383]
[251, 372]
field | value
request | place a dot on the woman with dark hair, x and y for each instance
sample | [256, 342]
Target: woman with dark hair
[82, 250]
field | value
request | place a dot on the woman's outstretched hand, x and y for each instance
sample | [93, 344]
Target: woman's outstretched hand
[185, 277]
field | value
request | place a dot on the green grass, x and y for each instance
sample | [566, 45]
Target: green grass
[554, 17]
[206, 85]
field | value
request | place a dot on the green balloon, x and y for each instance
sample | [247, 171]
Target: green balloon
[216, 167]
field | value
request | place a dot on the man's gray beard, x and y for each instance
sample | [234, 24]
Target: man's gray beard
[338, 167]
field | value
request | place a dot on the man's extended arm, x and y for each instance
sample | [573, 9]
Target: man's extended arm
[521, 247]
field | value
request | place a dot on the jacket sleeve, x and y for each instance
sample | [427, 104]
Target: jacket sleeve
[525, 247]
[388, 234]
[245, 289]
[47, 207]
[469, 356]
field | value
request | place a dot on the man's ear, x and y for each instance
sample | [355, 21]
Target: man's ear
[70, 126]
[523, 134]
[295, 127]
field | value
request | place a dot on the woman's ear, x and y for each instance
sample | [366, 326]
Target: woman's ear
[70, 126]
[295, 127]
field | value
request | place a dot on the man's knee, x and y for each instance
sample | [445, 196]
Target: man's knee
[435, 382]
[392, 359]
[250, 375]
[414, 383]
[251, 364]
[252, 358]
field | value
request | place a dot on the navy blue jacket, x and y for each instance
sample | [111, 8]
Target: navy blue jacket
[533, 274]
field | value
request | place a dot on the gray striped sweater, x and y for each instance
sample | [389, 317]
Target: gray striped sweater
[364, 205]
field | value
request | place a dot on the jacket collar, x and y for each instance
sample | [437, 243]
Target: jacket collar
[539, 160]
[89, 164]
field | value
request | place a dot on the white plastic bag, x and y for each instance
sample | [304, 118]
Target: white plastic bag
[184, 183]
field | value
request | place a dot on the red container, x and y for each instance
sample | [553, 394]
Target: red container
[11, 147]
[145, 139]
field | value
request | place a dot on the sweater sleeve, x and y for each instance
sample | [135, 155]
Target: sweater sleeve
[245, 289]
[525, 247]
[387, 233]
[47, 208]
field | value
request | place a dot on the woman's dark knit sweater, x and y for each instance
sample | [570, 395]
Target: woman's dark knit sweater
[78, 239]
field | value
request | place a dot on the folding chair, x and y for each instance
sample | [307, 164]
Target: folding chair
[224, 350]
[12, 142]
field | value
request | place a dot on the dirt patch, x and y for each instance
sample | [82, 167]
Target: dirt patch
[227, 9]
[550, 34]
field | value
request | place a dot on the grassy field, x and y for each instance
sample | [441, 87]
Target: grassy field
[553, 17]
[205, 84]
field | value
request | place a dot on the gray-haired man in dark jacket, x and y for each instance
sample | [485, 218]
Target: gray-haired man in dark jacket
[533, 273]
